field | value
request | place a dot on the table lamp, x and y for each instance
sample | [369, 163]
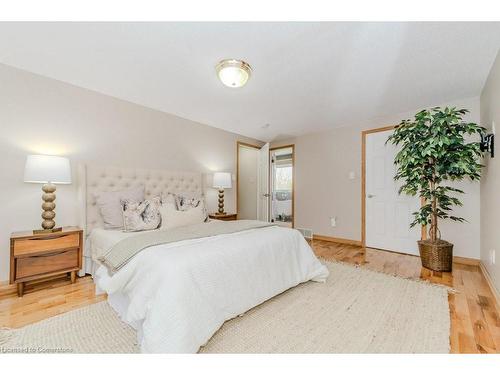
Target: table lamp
[47, 170]
[222, 180]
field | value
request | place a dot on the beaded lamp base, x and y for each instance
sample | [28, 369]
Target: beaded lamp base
[221, 203]
[48, 206]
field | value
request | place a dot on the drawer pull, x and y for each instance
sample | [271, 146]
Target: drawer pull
[48, 237]
[49, 255]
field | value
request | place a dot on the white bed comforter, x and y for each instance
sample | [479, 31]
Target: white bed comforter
[180, 294]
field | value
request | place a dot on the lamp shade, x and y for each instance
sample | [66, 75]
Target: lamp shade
[222, 180]
[44, 169]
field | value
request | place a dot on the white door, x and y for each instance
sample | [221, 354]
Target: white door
[388, 214]
[263, 190]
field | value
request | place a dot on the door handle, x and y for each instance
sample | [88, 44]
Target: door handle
[266, 195]
[370, 196]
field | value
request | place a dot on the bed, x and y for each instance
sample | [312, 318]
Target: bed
[178, 294]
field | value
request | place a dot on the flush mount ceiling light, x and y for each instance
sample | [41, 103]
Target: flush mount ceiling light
[233, 73]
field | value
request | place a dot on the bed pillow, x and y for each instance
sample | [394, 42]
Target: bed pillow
[138, 216]
[186, 201]
[172, 218]
[110, 206]
[168, 200]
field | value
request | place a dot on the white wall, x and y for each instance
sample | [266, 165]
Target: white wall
[247, 182]
[323, 189]
[490, 180]
[41, 115]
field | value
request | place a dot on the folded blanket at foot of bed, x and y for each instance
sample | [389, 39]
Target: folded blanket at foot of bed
[121, 253]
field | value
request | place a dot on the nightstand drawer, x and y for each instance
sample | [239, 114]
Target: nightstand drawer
[46, 263]
[36, 244]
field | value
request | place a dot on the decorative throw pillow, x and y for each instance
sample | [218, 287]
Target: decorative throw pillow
[172, 218]
[186, 201]
[138, 216]
[110, 207]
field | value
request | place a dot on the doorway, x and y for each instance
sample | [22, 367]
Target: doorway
[247, 180]
[252, 181]
[282, 178]
[386, 215]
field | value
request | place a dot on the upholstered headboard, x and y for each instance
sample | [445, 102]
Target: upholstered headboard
[93, 179]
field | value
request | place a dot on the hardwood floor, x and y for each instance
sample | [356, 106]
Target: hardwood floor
[45, 299]
[475, 317]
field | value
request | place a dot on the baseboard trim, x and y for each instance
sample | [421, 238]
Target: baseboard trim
[466, 261]
[344, 241]
[489, 280]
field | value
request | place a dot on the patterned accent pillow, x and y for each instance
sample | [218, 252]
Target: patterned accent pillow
[186, 201]
[139, 216]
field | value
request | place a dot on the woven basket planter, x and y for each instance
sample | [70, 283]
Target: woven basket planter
[436, 255]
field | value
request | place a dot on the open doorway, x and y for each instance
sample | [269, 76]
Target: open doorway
[282, 185]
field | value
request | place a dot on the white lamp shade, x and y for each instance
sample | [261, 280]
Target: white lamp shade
[222, 180]
[44, 169]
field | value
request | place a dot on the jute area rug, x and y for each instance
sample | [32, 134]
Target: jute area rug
[355, 311]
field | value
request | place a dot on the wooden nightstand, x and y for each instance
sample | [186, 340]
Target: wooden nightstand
[225, 217]
[37, 256]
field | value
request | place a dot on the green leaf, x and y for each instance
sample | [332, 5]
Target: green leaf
[434, 148]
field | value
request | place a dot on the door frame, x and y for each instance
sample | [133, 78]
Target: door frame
[292, 146]
[364, 133]
[238, 144]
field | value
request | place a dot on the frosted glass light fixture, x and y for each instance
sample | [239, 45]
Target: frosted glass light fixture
[233, 73]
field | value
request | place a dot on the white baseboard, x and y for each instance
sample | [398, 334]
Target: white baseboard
[489, 280]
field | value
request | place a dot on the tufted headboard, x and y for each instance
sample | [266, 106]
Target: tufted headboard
[92, 179]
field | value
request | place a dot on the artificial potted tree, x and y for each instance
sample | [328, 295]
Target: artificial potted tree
[435, 148]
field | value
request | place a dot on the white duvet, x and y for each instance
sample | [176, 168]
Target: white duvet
[178, 295]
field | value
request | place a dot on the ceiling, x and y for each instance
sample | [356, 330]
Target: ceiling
[306, 76]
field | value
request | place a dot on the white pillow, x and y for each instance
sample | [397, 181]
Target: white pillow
[168, 199]
[111, 208]
[171, 218]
